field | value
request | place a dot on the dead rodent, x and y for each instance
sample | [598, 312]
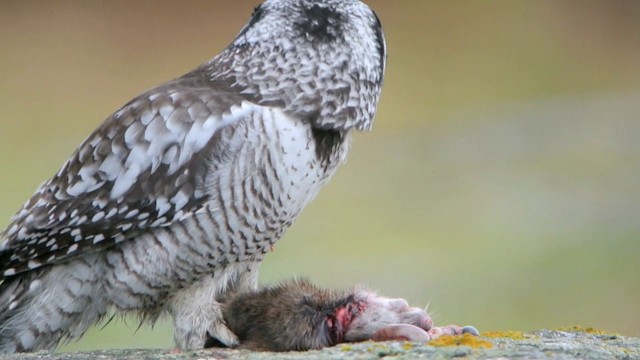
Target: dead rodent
[297, 315]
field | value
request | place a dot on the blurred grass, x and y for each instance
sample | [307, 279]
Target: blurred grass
[500, 184]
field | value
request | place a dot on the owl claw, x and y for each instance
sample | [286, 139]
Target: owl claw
[221, 332]
[193, 332]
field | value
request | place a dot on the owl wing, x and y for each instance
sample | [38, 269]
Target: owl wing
[143, 168]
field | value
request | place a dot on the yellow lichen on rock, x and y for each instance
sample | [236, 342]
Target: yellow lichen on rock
[588, 330]
[346, 347]
[461, 340]
[515, 335]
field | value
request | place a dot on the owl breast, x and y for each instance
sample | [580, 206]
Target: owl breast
[277, 164]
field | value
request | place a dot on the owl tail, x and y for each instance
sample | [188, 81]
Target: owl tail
[41, 308]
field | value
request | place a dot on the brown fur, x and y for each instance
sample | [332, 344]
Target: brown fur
[297, 315]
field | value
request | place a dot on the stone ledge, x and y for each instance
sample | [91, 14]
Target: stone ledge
[574, 343]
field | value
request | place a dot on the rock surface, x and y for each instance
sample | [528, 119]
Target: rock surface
[573, 343]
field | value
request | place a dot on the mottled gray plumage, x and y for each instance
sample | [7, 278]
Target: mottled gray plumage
[175, 198]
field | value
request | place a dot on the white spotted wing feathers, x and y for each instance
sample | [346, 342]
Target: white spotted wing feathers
[138, 171]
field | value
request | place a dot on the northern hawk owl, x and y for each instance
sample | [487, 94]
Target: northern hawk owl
[176, 198]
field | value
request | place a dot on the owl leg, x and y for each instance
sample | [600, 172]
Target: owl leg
[197, 316]
[195, 321]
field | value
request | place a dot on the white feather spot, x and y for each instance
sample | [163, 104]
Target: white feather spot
[143, 216]
[9, 272]
[95, 141]
[146, 117]
[162, 206]
[176, 121]
[158, 222]
[72, 248]
[60, 195]
[35, 284]
[98, 238]
[88, 172]
[43, 203]
[178, 215]
[12, 230]
[79, 188]
[96, 186]
[155, 129]
[132, 133]
[198, 111]
[138, 157]
[32, 264]
[98, 216]
[99, 203]
[179, 200]
[111, 167]
[125, 227]
[125, 180]
[169, 158]
[23, 212]
[166, 110]
[13, 305]
[132, 213]
[111, 212]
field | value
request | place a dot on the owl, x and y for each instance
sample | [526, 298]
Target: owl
[176, 198]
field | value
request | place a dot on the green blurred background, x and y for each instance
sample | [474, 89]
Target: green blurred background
[500, 185]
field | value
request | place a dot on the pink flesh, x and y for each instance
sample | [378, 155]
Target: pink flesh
[343, 316]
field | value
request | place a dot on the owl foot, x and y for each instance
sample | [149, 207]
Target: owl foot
[194, 326]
